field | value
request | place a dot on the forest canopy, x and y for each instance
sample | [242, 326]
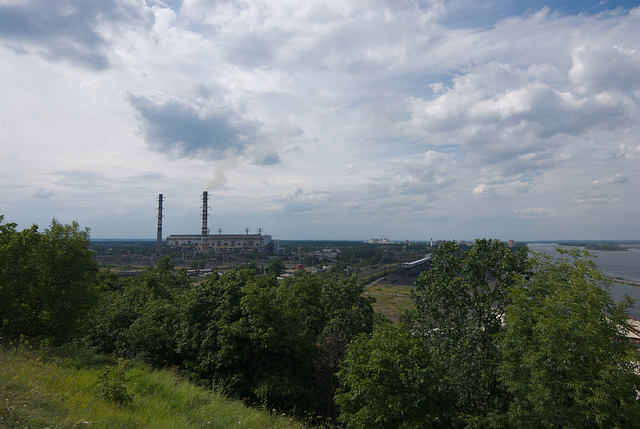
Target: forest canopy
[498, 338]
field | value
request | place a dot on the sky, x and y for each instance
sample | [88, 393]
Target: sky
[332, 119]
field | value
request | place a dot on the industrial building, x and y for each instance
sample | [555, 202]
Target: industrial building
[216, 242]
[246, 242]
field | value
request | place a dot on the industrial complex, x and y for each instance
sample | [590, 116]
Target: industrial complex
[214, 242]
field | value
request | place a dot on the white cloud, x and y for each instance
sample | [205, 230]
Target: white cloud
[500, 188]
[533, 212]
[605, 68]
[592, 198]
[323, 118]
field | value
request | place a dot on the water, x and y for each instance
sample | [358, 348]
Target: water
[624, 265]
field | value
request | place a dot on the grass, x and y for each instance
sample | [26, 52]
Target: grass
[45, 389]
[391, 300]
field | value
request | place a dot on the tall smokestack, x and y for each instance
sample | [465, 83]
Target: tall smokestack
[205, 229]
[159, 238]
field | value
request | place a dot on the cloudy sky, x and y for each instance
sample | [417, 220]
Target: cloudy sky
[332, 119]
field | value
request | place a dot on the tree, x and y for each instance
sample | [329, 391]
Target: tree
[17, 273]
[238, 331]
[565, 358]
[275, 267]
[46, 281]
[390, 380]
[137, 317]
[460, 303]
[347, 313]
[271, 342]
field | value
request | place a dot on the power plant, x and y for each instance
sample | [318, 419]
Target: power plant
[159, 237]
[216, 242]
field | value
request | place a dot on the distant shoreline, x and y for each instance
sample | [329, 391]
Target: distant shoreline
[623, 281]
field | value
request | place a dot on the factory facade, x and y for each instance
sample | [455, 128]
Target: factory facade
[219, 242]
[215, 242]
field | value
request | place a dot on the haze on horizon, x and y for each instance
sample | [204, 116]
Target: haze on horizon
[323, 119]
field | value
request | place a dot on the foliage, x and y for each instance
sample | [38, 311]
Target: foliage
[495, 339]
[266, 340]
[112, 383]
[60, 389]
[197, 264]
[137, 317]
[272, 343]
[347, 313]
[390, 381]
[566, 360]
[460, 302]
[46, 281]
[275, 267]
[613, 247]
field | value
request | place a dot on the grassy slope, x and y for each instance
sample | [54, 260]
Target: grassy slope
[391, 300]
[45, 390]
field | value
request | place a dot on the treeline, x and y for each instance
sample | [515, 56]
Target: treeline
[611, 247]
[615, 247]
[497, 339]
[271, 343]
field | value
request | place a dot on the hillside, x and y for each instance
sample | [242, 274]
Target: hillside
[67, 390]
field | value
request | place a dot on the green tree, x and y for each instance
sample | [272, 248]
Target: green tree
[204, 309]
[347, 313]
[275, 343]
[566, 360]
[247, 335]
[460, 303]
[17, 275]
[137, 317]
[275, 267]
[46, 281]
[390, 380]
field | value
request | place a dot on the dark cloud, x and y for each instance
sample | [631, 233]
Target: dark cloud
[66, 30]
[43, 193]
[270, 157]
[182, 130]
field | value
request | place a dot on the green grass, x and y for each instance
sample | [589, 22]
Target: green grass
[61, 390]
[391, 300]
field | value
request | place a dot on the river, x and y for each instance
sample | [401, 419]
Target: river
[624, 265]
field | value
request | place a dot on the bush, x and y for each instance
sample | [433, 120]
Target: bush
[112, 383]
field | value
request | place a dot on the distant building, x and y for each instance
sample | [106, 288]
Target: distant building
[510, 243]
[383, 240]
[221, 242]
